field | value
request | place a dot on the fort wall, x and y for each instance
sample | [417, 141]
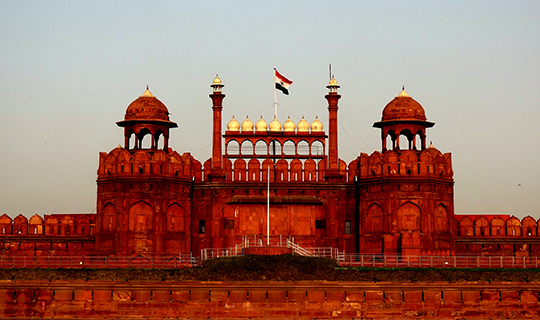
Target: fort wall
[263, 300]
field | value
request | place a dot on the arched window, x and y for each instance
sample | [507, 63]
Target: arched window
[145, 139]
[132, 140]
[289, 148]
[303, 148]
[247, 148]
[233, 148]
[261, 148]
[159, 140]
[317, 148]
[274, 148]
[405, 139]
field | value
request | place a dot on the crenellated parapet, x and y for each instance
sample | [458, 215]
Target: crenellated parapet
[53, 234]
[429, 162]
[501, 235]
[50, 225]
[123, 163]
[488, 226]
[282, 170]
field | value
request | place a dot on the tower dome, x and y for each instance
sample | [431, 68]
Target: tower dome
[303, 125]
[288, 125]
[261, 125]
[316, 125]
[147, 107]
[275, 125]
[147, 116]
[247, 125]
[233, 125]
[403, 107]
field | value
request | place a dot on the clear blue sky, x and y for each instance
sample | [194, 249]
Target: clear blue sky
[69, 69]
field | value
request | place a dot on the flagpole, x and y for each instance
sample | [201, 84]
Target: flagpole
[275, 95]
[268, 209]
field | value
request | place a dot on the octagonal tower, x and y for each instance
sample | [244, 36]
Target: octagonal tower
[144, 189]
[407, 203]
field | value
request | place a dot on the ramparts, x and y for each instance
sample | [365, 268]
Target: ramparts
[263, 300]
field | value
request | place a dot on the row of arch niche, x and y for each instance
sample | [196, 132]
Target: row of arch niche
[36, 225]
[409, 218]
[140, 141]
[409, 143]
[281, 170]
[498, 227]
[275, 148]
[141, 218]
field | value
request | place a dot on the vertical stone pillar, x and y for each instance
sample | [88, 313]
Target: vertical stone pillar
[333, 160]
[217, 99]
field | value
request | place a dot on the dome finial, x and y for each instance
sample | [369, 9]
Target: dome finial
[147, 93]
[332, 86]
[217, 85]
[403, 93]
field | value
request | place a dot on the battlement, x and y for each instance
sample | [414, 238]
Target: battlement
[282, 170]
[496, 226]
[429, 162]
[122, 163]
[51, 225]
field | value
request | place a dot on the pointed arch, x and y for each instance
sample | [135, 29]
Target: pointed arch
[302, 148]
[176, 218]
[513, 227]
[232, 148]
[497, 227]
[481, 227]
[140, 217]
[373, 219]
[35, 225]
[409, 217]
[108, 218]
[466, 227]
[441, 219]
[529, 226]
[289, 148]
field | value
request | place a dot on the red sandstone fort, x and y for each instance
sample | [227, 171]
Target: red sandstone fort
[157, 202]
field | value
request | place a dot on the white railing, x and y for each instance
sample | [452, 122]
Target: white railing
[99, 262]
[343, 259]
[272, 241]
[419, 261]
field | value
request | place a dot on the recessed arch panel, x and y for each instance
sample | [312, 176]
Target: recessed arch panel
[409, 217]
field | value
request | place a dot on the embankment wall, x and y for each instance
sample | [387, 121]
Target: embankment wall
[264, 300]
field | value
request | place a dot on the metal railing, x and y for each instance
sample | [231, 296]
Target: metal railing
[343, 259]
[272, 241]
[98, 262]
[418, 261]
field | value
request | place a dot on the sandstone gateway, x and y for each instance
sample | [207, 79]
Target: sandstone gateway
[152, 200]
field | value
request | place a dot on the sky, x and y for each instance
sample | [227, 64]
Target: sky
[69, 69]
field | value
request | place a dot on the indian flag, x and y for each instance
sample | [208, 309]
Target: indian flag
[282, 83]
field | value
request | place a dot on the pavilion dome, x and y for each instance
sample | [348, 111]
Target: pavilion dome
[147, 107]
[316, 125]
[261, 125]
[303, 125]
[288, 125]
[247, 125]
[403, 107]
[233, 125]
[275, 126]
